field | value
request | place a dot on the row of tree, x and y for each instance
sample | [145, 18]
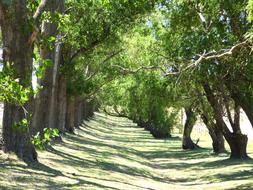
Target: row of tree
[191, 55]
[57, 41]
[146, 59]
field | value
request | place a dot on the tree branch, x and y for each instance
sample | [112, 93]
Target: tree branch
[125, 70]
[83, 50]
[39, 10]
[36, 16]
[220, 54]
[213, 55]
[113, 54]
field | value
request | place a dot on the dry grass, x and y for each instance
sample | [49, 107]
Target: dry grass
[112, 153]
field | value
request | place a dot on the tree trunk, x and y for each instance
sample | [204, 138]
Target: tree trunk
[237, 142]
[17, 51]
[218, 141]
[248, 109]
[215, 133]
[88, 110]
[244, 100]
[70, 118]
[62, 104]
[45, 114]
[78, 111]
[91, 108]
[246, 105]
[190, 121]
[238, 145]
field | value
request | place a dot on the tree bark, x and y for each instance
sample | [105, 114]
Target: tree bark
[88, 110]
[248, 109]
[215, 133]
[243, 99]
[218, 141]
[70, 118]
[17, 51]
[238, 145]
[62, 104]
[190, 121]
[78, 111]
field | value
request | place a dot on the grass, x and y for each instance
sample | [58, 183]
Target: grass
[113, 153]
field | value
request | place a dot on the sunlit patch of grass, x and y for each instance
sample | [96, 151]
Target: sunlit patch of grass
[113, 153]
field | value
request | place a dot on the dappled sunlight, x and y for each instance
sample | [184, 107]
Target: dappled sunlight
[113, 153]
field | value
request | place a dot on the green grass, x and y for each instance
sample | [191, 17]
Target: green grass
[113, 153]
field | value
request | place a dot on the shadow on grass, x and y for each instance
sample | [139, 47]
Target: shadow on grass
[242, 187]
[199, 156]
[99, 144]
[48, 171]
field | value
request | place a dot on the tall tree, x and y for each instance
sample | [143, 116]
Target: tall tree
[18, 31]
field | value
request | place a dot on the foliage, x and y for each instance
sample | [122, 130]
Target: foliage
[250, 9]
[48, 135]
[40, 64]
[10, 88]
[143, 98]
[22, 126]
[94, 36]
[195, 28]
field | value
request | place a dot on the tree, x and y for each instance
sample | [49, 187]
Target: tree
[18, 29]
[215, 131]
[45, 111]
[206, 41]
[188, 126]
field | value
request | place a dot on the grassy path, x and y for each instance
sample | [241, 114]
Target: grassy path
[113, 153]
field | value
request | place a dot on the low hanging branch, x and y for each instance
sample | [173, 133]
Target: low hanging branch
[83, 50]
[214, 55]
[112, 55]
[126, 71]
[204, 57]
[222, 53]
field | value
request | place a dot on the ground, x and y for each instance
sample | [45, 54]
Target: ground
[113, 153]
